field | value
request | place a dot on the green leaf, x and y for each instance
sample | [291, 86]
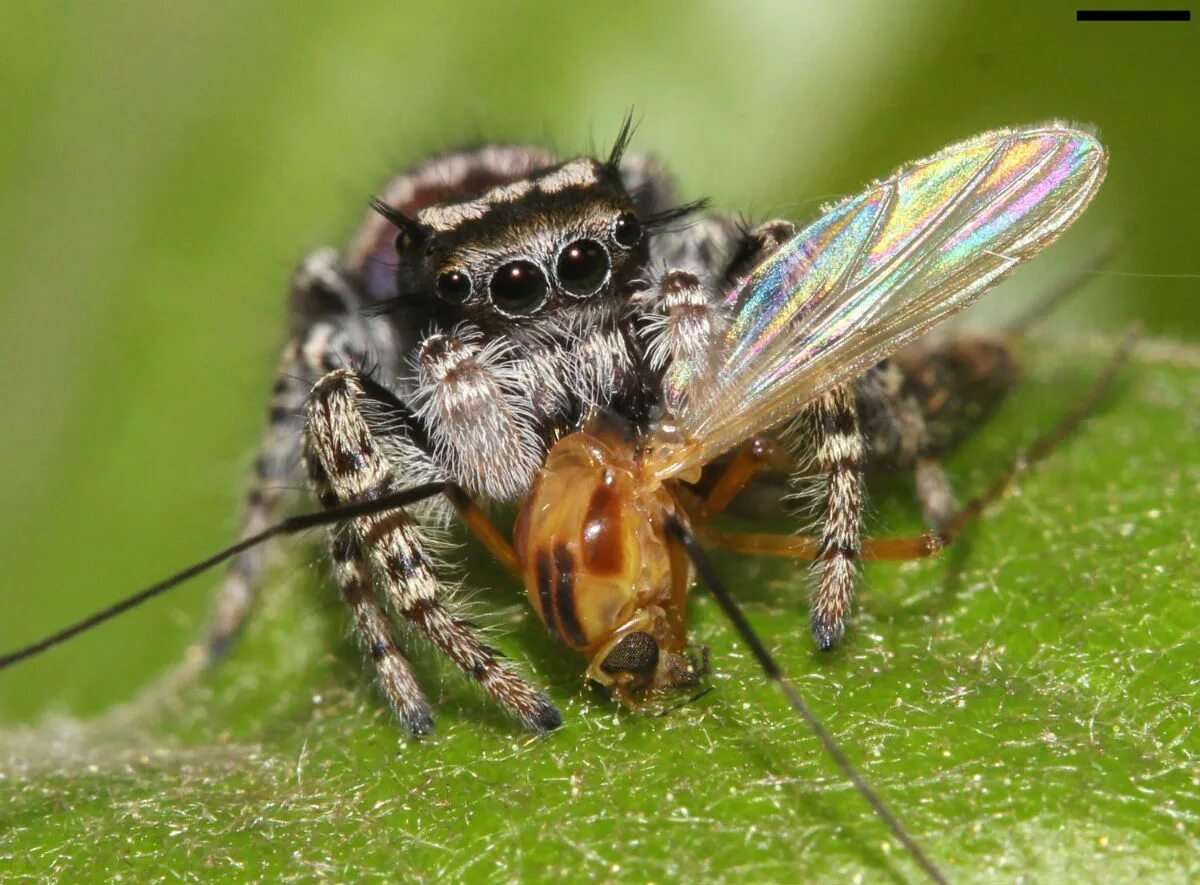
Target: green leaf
[1026, 704]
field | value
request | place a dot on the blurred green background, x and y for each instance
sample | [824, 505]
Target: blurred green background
[163, 165]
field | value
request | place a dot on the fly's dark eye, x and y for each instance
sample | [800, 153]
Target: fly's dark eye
[582, 267]
[519, 288]
[636, 653]
[628, 230]
[454, 286]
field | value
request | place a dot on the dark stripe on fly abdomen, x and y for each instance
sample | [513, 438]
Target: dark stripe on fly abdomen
[603, 552]
[564, 594]
[545, 578]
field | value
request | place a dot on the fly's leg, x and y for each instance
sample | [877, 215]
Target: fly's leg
[751, 459]
[808, 547]
[348, 454]
[931, 543]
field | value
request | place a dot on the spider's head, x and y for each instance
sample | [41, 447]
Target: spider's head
[562, 237]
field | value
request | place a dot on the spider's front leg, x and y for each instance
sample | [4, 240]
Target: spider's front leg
[830, 429]
[350, 462]
[830, 426]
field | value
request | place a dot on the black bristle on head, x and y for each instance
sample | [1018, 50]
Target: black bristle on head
[410, 230]
[660, 220]
[624, 136]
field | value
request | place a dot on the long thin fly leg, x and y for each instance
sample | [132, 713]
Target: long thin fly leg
[1041, 448]
[353, 461]
[680, 534]
[930, 544]
[751, 459]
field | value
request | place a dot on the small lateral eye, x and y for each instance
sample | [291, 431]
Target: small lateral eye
[519, 288]
[628, 230]
[405, 241]
[582, 267]
[454, 286]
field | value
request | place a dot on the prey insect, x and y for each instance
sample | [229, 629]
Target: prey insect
[546, 334]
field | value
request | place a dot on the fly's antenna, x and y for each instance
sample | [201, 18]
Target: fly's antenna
[289, 526]
[708, 574]
[1061, 291]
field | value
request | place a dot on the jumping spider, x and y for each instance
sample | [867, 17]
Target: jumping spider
[493, 300]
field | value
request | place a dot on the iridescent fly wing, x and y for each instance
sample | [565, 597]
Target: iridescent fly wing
[877, 270]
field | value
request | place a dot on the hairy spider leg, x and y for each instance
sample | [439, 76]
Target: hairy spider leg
[931, 543]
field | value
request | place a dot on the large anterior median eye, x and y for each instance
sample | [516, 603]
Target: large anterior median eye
[519, 288]
[582, 267]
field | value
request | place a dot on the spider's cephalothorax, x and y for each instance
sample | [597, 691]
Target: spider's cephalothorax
[507, 310]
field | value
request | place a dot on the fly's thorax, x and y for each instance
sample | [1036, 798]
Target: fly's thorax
[590, 543]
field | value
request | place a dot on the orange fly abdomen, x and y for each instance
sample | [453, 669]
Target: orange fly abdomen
[589, 543]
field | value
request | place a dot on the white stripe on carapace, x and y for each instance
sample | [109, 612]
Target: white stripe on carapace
[442, 219]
